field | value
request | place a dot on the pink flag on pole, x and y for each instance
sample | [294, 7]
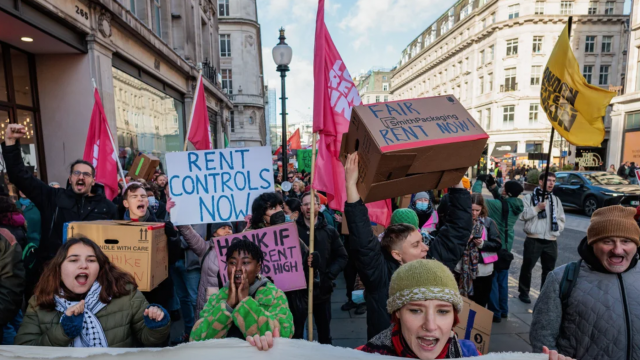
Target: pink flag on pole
[99, 151]
[199, 129]
[335, 95]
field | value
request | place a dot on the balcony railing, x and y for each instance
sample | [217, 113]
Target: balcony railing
[617, 89]
[210, 72]
[509, 88]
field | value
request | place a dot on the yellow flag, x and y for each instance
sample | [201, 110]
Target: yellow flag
[574, 107]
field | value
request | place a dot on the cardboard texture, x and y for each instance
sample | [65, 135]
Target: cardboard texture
[143, 167]
[475, 325]
[137, 248]
[377, 229]
[407, 146]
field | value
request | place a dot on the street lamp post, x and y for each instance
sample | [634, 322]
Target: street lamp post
[282, 54]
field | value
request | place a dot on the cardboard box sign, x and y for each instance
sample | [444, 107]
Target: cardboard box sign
[475, 325]
[407, 146]
[143, 167]
[137, 248]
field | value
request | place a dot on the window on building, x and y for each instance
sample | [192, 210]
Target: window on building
[481, 60]
[225, 45]
[490, 53]
[604, 74]
[484, 23]
[487, 121]
[385, 87]
[493, 18]
[510, 79]
[384, 77]
[593, 7]
[566, 7]
[587, 72]
[508, 116]
[606, 44]
[537, 44]
[386, 98]
[539, 10]
[377, 98]
[536, 72]
[590, 44]
[534, 109]
[638, 77]
[227, 80]
[608, 7]
[490, 82]
[368, 100]
[481, 85]
[232, 118]
[223, 7]
[514, 11]
[633, 121]
[157, 28]
[512, 47]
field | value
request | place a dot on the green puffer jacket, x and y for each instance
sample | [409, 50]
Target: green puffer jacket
[516, 207]
[122, 321]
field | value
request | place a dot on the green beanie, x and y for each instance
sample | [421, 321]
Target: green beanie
[422, 280]
[405, 216]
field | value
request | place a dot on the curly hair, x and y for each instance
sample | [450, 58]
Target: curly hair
[260, 206]
[114, 281]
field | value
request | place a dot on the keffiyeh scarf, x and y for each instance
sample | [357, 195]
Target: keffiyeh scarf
[535, 200]
[92, 333]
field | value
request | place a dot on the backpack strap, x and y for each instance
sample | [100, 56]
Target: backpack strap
[205, 256]
[568, 282]
[505, 220]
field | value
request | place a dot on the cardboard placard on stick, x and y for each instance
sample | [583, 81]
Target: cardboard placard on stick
[282, 257]
[407, 146]
[143, 167]
[219, 185]
[137, 248]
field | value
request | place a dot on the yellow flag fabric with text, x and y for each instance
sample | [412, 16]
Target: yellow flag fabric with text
[574, 107]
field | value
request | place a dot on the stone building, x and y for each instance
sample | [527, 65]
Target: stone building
[144, 56]
[375, 85]
[491, 56]
[241, 68]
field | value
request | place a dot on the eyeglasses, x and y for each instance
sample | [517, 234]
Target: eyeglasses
[77, 173]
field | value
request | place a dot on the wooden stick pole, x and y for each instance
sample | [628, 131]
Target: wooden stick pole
[193, 109]
[311, 234]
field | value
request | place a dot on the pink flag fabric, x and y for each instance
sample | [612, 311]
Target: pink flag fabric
[199, 129]
[99, 151]
[335, 95]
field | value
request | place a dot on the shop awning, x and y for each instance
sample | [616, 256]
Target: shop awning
[501, 149]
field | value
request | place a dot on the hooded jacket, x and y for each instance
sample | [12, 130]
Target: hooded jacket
[376, 266]
[495, 213]
[602, 318]
[57, 206]
[332, 254]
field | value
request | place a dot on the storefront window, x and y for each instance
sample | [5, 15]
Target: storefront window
[21, 78]
[3, 81]
[148, 121]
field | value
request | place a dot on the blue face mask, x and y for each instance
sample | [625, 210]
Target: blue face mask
[152, 201]
[287, 218]
[422, 206]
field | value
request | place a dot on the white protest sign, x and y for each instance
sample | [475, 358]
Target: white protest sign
[218, 185]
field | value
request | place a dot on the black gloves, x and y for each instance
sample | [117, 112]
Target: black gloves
[170, 230]
[490, 181]
[315, 263]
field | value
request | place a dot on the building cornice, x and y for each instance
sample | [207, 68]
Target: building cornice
[235, 20]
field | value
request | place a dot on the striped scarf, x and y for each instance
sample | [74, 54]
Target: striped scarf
[92, 333]
[470, 260]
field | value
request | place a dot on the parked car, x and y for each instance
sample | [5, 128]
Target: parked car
[591, 190]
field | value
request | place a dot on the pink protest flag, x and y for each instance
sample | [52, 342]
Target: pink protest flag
[335, 95]
[199, 129]
[99, 149]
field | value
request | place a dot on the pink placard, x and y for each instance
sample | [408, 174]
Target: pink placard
[282, 258]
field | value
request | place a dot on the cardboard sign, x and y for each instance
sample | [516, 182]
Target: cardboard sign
[137, 248]
[217, 185]
[143, 167]
[304, 160]
[407, 146]
[282, 258]
[475, 325]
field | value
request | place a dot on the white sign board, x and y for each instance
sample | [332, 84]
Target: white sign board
[218, 185]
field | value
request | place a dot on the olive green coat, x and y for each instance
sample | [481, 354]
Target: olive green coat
[122, 321]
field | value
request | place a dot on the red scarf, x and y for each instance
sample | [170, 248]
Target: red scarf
[404, 350]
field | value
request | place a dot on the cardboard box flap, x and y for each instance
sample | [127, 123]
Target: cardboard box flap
[451, 177]
[394, 166]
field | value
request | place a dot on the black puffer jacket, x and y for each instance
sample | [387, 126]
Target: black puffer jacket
[376, 266]
[331, 251]
[57, 206]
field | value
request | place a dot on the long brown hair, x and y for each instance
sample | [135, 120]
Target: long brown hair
[478, 199]
[113, 280]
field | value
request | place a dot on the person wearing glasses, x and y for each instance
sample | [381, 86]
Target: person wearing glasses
[82, 200]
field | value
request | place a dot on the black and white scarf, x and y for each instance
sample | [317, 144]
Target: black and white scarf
[536, 198]
[92, 333]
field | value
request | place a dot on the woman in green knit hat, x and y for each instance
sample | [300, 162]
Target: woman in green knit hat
[424, 303]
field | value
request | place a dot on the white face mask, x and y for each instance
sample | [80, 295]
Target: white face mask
[322, 207]
[152, 201]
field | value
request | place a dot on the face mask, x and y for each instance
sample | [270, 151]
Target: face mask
[422, 206]
[152, 201]
[277, 218]
[322, 207]
[287, 218]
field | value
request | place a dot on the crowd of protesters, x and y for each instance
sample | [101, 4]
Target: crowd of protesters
[66, 292]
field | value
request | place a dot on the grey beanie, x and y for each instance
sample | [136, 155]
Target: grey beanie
[421, 195]
[216, 226]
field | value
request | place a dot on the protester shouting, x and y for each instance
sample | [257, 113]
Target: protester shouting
[377, 261]
[82, 300]
[590, 309]
[544, 219]
[12, 284]
[474, 272]
[82, 200]
[504, 210]
[332, 260]
[249, 306]
[427, 216]
[205, 250]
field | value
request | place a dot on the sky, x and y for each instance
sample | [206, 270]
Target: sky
[367, 33]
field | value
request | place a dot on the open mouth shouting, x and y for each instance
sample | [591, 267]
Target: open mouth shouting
[82, 278]
[428, 343]
[81, 185]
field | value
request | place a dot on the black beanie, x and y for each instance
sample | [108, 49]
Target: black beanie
[216, 226]
[513, 188]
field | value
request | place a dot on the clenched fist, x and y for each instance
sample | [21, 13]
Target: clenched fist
[13, 133]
